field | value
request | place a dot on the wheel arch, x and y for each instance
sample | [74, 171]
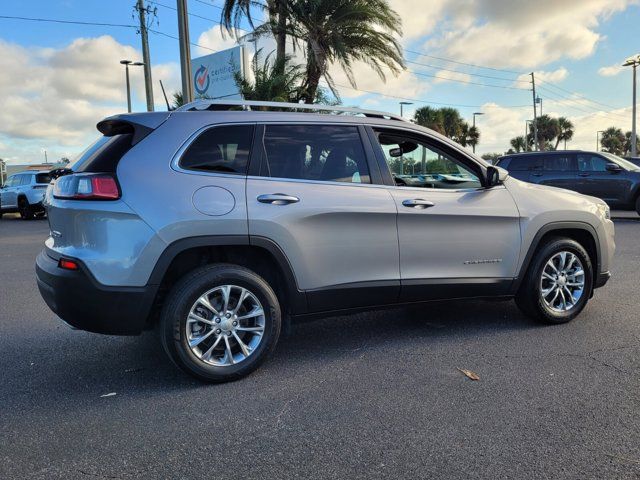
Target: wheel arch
[259, 254]
[581, 232]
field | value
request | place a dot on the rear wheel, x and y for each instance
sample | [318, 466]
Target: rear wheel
[25, 210]
[558, 283]
[220, 322]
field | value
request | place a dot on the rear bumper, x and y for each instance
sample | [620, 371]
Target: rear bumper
[83, 303]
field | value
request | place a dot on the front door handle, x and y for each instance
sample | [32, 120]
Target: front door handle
[277, 198]
[584, 174]
[418, 203]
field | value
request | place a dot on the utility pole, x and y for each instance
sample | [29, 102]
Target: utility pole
[146, 58]
[535, 113]
[185, 52]
[633, 62]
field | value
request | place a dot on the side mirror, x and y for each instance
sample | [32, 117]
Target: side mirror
[493, 177]
[613, 168]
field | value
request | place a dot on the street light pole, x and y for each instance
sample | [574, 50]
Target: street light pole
[402, 104]
[126, 64]
[633, 62]
[474, 126]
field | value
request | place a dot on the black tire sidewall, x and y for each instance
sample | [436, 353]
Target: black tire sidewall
[185, 294]
[532, 284]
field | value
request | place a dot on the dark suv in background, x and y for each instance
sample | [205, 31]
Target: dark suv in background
[599, 174]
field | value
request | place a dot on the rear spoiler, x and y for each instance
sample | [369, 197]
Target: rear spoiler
[138, 124]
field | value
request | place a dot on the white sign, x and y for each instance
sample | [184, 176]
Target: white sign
[213, 75]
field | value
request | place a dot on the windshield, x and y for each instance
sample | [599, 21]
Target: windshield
[626, 164]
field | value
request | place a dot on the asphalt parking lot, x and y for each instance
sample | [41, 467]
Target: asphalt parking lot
[374, 395]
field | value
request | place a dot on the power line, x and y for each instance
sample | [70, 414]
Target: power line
[462, 63]
[437, 67]
[72, 22]
[579, 95]
[422, 74]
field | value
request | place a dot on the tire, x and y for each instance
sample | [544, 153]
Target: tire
[25, 210]
[549, 309]
[204, 360]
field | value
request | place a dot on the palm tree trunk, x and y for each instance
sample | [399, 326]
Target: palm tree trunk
[281, 36]
[557, 143]
[316, 65]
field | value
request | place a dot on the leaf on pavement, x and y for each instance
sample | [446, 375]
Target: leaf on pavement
[469, 374]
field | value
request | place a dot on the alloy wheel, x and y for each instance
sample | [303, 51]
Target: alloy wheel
[562, 282]
[225, 325]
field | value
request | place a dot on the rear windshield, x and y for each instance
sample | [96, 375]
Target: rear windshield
[43, 178]
[104, 154]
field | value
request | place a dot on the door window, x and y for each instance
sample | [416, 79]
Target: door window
[525, 163]
[11, 181]
[332, 153]
[220, 149]
[25, 180]
[558, 163]
[592, 163]
[414, 163]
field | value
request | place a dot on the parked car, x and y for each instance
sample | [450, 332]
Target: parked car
[634, 160]
[219, 225]
[24, 192]
[599, 174]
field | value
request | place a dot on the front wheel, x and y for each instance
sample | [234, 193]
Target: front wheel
[558, 283]
[220, 322]
[25, 210]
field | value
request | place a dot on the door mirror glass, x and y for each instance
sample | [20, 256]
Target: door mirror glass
[613, 167]
[395, 152]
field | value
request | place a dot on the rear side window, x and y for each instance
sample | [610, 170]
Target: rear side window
[43, 178]
[331, 153]
[559, 163]
[104, 154]
[220, 149]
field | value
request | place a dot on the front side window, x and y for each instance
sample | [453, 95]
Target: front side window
[524, 163]
[11, 181]
[220, 149]
[330, 153]
[592, 163]
[414, 163]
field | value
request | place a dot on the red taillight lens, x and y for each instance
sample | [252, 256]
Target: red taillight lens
[95, 186]
[68, 264]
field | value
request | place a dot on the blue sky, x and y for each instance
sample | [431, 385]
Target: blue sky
[58, 80]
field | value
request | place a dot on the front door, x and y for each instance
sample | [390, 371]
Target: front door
[457, 239]
[612, 187]
[9, 195]
[315, 198]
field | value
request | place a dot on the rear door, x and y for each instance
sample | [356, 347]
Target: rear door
[456, 238]
[316, 197]
[558, 170]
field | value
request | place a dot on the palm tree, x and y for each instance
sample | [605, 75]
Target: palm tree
[469, 136]
[565, 128]
[613, 141]
[519, 144]
[429, 117]
[548, 130]
[234, 11]
[627, 143]
[341, 31]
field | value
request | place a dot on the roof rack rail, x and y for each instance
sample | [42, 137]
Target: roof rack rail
[218, 105]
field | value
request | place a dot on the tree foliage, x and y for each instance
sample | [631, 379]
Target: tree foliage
[448, 122]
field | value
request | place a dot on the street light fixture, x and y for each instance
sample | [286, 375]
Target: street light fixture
[402, 104]
[474, 126]
[126, 64]
[633, 62]
[598, 146]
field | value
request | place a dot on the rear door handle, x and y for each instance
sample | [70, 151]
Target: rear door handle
[418, 203]
[277, 198]
[584, 174]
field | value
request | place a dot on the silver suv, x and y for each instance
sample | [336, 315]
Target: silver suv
[218, 224]
[24, 193]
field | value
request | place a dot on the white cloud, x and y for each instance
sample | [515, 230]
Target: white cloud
[214, 40]
[521, 34]
[53, 98]
[446, 76]
[610, 71]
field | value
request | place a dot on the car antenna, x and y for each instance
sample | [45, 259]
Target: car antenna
[165, 97]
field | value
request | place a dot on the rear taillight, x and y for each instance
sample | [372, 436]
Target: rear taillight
[95, 186]
[67, 264]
